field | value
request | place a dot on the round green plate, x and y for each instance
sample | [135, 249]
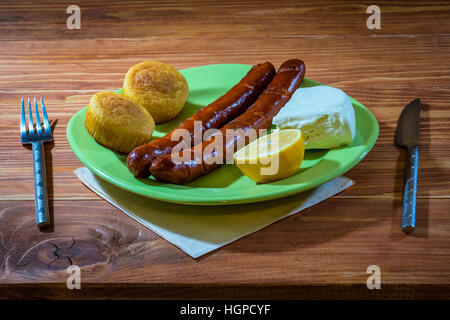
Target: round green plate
[226, 185]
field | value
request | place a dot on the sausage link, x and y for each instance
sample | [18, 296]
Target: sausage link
[213, 116]
[258, 116]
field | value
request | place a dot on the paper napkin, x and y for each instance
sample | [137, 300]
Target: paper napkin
[198, 230]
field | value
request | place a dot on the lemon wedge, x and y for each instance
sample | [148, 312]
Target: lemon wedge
[272, 157]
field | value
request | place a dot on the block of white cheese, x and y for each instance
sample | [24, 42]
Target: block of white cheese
[324, 114]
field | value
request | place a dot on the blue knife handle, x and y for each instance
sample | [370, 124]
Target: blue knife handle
[409, 196]
[40, 185]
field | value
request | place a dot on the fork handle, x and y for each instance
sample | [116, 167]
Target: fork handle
[40, 185]
[409, 196]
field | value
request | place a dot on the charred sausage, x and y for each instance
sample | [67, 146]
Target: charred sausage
[213, 116]
[259, 116]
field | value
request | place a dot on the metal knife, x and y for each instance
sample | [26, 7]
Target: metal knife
[408, 137]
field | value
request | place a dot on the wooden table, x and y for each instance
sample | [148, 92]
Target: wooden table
[322, 252]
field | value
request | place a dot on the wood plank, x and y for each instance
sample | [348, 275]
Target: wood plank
[392, 63]
[331, 243]
[46, 20]
[322, 252]
[67, 73]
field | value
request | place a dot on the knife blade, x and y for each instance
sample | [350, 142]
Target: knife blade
[407, 136]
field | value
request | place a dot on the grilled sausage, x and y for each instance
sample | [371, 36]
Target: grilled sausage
[202, 157]
[213, 116]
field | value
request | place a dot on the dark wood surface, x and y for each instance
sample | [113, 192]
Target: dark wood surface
[323, 251]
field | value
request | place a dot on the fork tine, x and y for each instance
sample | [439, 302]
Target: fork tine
[38, 118]
[30, 119]
[46, 122]
[23, 125]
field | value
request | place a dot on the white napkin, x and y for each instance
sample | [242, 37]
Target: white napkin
[198, 230]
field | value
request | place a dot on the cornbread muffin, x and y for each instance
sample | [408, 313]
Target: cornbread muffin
[118, 123]
[158, 87]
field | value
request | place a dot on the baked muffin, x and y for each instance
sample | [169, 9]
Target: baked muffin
[158, 87]
[115, 122]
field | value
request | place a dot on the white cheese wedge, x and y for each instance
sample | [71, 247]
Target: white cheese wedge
[324, 114]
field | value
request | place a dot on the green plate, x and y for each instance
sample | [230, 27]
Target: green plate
[226, 185]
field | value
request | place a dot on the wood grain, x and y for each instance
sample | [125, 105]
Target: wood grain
[321, 252]
[111, 247]
[215, 19]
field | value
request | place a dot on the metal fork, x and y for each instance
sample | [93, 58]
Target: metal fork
[37, 138]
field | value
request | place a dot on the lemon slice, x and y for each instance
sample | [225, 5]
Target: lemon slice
[272, 157]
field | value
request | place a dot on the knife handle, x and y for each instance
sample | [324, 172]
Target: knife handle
[409, 196]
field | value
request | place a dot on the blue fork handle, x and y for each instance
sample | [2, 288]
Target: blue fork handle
[409, 196]
[40, 185]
